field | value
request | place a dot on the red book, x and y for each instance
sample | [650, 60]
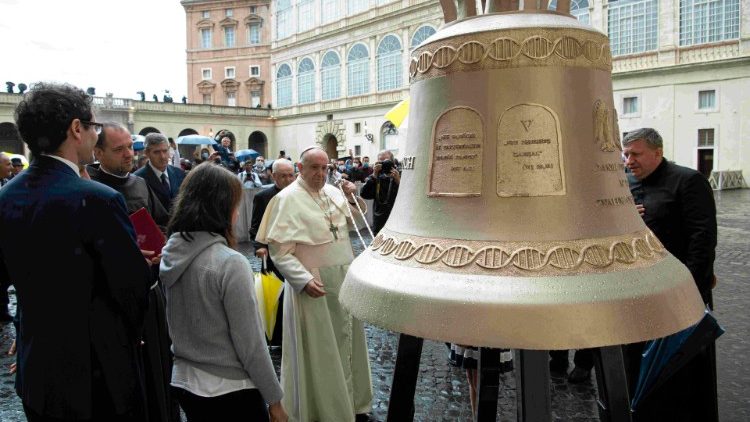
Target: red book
[147, 233]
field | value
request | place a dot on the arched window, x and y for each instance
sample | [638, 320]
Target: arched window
[358, 70]
[305, 81]
[283, 19]
[330, 76]
[421, 34]
[704, 21]
[284, 86]
[580, 9]
[389, 63]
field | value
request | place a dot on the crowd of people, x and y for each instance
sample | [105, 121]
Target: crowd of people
[106, 331]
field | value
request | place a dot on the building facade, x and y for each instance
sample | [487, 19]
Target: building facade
[228, 52]
[680, 66]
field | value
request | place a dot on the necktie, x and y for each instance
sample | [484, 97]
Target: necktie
[164, 181]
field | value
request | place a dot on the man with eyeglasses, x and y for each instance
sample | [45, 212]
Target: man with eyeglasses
[81, 281]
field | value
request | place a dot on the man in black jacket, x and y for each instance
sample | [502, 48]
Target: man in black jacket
[81, 281]
[282, 173]
[382, 188]
[677, 204]
[114, 151]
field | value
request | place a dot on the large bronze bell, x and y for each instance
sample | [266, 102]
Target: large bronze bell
[514, 225]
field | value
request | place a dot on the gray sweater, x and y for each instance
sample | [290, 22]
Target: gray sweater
[212, 311]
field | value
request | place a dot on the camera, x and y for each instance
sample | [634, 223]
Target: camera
[385, 167]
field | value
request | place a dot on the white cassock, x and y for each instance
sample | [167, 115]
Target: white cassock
[325, 371]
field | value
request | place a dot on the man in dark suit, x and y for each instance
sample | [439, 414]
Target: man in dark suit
[81, 281]
[677, 204]
[163, 178]
[282, 175]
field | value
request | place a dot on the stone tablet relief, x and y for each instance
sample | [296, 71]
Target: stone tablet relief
[529, 157]
[456, 159]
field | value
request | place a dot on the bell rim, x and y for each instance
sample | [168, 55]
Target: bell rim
[431, 304]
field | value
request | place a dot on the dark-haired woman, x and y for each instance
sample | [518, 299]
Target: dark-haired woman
[222, 370]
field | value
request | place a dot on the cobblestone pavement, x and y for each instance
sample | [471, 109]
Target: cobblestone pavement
[442, 392]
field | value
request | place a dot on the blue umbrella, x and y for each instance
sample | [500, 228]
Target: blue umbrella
[663, 357]
[195, 140]
[244, 154]
[138, 142]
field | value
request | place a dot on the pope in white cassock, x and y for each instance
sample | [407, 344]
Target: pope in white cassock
[325, 372]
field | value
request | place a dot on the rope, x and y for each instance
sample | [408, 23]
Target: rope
[351, 215]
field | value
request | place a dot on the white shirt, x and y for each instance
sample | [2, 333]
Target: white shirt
[67, 162]
[205, 384]
[159, 173]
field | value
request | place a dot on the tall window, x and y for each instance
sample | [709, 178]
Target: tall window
[229, 36]
[255, 98]
[421, 34]
[705, 137]
[358, 70]
[253, 33]
[356, 6]
[206, 98]
[305, 15]
[707, 100]
[231, 99]
[305, 81]
[329, 10]
[330, 76]
[284, 86]
[580, 9]
[705, 21]
[283, 19]
[389, 63]
[633, 26]
[206, 38]
[630, 105]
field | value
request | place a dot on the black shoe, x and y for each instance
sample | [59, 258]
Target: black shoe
[558, 367]
[579, 375]
[362, 417]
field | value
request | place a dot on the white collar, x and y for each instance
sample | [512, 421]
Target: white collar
[101, 167]
[67, 162]
[159, 172]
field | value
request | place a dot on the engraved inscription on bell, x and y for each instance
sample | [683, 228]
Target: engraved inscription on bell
[457, 144]
[529, 160]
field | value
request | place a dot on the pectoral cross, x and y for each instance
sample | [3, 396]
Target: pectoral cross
[334, 230]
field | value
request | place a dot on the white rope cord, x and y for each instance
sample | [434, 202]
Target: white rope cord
[364, 218]
[351, 215]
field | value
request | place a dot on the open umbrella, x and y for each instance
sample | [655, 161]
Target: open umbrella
[268, 289]
[195, 140]
[398, 113]
[19, 156]
[244, 154]
[138, 142]
[663, 357]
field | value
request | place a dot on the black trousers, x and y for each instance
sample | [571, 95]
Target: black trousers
[242, 405]
[583, 358]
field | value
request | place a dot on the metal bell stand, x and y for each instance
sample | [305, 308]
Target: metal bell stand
[532, 383]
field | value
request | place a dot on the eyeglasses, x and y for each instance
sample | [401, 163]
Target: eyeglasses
[97, 126]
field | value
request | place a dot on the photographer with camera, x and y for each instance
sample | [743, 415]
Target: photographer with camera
[382, 188]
